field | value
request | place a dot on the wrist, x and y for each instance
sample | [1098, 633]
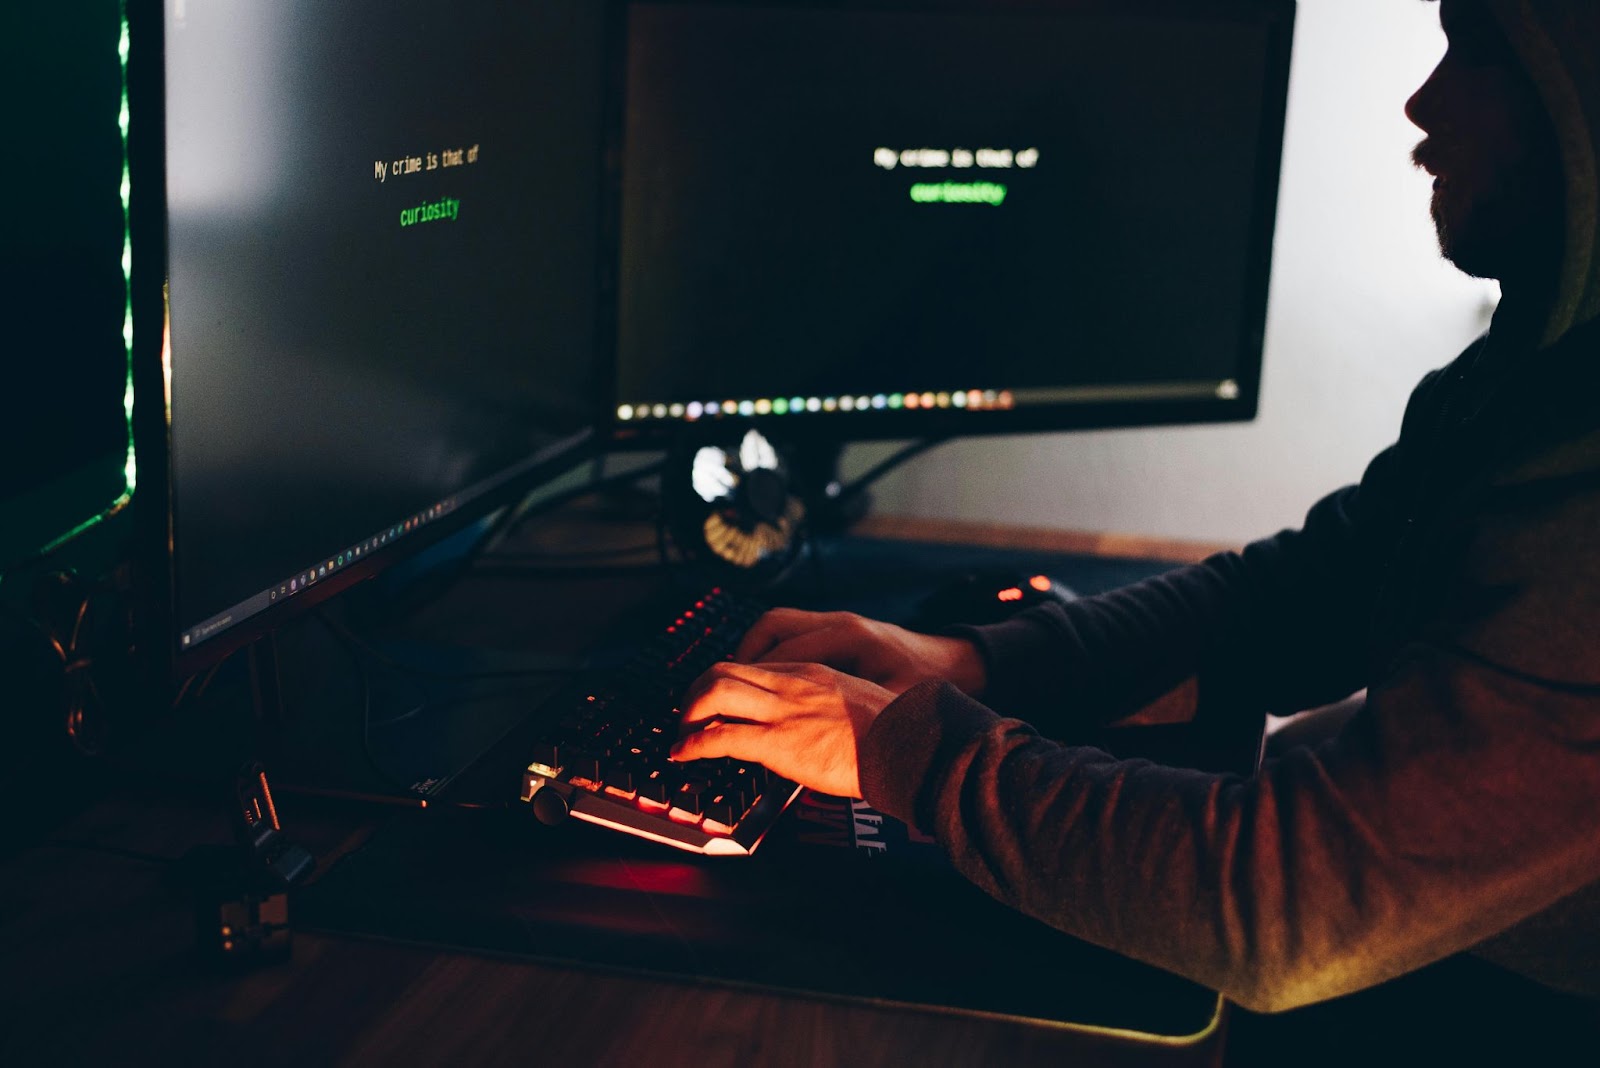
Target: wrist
[966, 668]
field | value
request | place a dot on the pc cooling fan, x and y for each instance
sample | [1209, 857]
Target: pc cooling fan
[731, 508]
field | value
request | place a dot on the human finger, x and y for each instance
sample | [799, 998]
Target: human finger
[764, 676]
[732, 691]
[774, 627]
[836, 646]
[743, 741]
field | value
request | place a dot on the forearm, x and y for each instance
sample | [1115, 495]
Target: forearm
[1276, 627]
[1239, 632]
[1332, 870]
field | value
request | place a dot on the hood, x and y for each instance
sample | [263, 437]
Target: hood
[1559, 43]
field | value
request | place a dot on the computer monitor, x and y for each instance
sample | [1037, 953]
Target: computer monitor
[905, 218]
[376, 223]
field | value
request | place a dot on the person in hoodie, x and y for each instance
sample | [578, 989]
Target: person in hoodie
[1457, 585]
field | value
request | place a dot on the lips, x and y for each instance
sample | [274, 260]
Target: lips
[1427, 156]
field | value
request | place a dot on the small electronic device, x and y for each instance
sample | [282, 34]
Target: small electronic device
[241, 894]
[731, 506]
[987, 595]
[260, 834]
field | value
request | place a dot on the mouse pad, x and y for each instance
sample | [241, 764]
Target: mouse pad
[839, 901]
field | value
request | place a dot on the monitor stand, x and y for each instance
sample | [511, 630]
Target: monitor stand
[832, 506]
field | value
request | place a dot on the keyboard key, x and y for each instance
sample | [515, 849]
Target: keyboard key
[656, 786]
[584, 766]
[614, 739]
[724, 808]
[691, 798]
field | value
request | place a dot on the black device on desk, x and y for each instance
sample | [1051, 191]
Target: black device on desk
[398, 246]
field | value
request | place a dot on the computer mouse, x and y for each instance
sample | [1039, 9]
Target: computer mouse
[987, 595]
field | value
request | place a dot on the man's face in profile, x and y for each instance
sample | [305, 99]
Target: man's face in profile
[1497, 192]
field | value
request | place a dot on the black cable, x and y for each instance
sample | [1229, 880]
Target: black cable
[183, 690]
[513, 516]
[566, 496]
[877, 471]
[371, 758]
[360, 651]
[203, 678]
[352, 646]
[205, 681]
[549, 565]
[515, 513]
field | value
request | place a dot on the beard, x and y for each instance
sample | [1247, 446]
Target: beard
[1512, 230]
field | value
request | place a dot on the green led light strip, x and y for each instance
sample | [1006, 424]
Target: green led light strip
[129, 470]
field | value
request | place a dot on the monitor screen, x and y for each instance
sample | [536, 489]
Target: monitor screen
[886, 218]
[381, 219]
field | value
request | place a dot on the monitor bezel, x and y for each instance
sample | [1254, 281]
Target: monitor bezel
[938, 423]
[154, 574]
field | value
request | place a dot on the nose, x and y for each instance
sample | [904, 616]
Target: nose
[1423, 109]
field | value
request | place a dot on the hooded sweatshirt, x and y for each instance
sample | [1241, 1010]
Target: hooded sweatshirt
[1458, 584]
[1558, 42]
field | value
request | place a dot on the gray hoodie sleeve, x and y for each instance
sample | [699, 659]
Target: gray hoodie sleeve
[1459, 801]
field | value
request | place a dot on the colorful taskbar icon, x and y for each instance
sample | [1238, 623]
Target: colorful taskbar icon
[960, 399]
[340, 561]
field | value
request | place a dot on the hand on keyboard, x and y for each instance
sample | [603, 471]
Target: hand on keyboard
[893, 657]
[602, 757]
[801, 721]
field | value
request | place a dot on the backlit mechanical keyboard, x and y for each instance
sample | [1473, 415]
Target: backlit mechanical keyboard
[604, 760]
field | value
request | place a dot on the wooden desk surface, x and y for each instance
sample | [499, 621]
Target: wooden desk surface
[1041, 539]
[100, 968]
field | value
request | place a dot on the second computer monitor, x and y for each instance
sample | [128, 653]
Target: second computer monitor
[379, 220]
[872, 219]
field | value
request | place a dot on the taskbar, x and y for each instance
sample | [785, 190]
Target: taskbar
[970, 400]
[313, 574]
[555, 451]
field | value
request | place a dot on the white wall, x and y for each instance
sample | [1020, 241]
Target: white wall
[1361, 305]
